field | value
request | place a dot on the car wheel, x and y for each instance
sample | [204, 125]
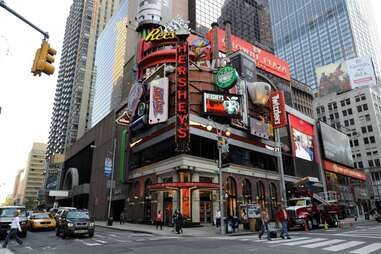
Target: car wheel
[309, 224]
[91, 234]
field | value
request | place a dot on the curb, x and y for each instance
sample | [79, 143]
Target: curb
[125, 229]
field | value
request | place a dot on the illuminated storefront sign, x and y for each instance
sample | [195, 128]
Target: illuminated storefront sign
[277, 109]
[184, 185]
[218, 104]
[158, 110]
[182, 96]
[338, 169]
[263, 59]
[157, 34]
[226, 77]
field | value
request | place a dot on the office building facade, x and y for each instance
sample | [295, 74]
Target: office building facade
[108, 68]
[72, 103]
[314, 33]
[33, 178]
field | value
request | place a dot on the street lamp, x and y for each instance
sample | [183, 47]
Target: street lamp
[222, 144]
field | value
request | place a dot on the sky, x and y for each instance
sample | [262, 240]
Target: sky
[27, 101]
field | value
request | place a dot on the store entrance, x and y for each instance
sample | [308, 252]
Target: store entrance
[168, 208]
[205, 207]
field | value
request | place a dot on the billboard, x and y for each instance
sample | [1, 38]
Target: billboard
[345, 75]
[277, 109]
[302, 138]
[158, 107]
[336, 145]
[361, 72]
[221, 104]
[259, 128]
[108, 164]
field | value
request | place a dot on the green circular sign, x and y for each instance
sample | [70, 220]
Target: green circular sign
[226, 77]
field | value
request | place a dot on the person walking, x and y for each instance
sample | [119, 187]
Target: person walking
[265, 225]
[159, 220]
[218, 218]
[15, 226]
[174, 221]
[122, 217]
[282, 217]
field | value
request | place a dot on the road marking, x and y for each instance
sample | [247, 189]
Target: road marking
[6, 251]
[122, 241]
[289, 240]
[140, 240]
[304, 241]
[100, 241]
[343, 246]
[325, 243]
[87, 243]
[367, 249]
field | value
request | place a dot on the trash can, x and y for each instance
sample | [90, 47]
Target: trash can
[235, 223]
[228, 226]
[110, 221]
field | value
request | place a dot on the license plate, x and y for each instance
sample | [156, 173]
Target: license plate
[80, 231]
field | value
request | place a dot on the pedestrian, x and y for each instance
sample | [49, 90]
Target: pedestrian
[159, 220]
[174, 221]
[218, 218]
[265, 225]
[282, 217]
[15, 226]
[122, 217]
[180, 221]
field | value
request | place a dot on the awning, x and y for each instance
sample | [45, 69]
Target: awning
[179, 185]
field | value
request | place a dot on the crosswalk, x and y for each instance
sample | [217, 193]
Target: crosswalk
[370, 232]
[324, 244]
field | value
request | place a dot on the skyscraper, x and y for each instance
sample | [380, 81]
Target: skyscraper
[248, 17]
[72, 103]
[312, 33]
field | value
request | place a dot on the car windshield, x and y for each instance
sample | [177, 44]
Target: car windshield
[40, 216]
[77, 215]
[10, 212]
[297, 202]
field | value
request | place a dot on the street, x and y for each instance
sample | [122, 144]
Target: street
[364, 238]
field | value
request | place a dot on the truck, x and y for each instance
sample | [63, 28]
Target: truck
[6, 216]
[307, 208]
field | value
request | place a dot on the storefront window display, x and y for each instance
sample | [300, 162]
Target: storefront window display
[246, 192]
[261, 194]
[231, 197]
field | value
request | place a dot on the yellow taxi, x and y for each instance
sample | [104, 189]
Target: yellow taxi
[41, 221]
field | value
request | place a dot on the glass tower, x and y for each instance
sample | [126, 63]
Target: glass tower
[312, 33]
[109, 62]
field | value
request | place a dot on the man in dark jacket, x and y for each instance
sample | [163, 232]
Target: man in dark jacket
[282, 217]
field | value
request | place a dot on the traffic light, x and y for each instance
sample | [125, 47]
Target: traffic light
[44, 59]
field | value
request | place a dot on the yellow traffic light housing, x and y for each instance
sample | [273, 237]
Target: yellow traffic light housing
[44, 59]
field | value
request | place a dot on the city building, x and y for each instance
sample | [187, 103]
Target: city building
[108, 67]
[357, 113]
[72, 102]
[250, 18]
[302, 98]
[314, 33]
[375, 178]
[34, 174]
[18, 186]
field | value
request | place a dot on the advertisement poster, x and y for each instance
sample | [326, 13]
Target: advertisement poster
[253, 211]
[277, 109]
[361, 72]
[333, 78]
[227, 105]
[108, 164]
[336, 145]
[302, 138]
[259, 128]
[134, 99]
[158, 109]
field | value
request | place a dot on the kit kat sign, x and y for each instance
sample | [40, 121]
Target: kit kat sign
[338, 169]
[263, 59]
[277, 109]
[182, 96]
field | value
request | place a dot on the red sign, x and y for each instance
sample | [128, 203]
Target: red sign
[278, 109]
[219, 104]
[182, 96]
[263, 59]
[185, 203]
[184, 184]
[338, 169]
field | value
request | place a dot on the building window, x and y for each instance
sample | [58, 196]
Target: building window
[346, 123]
[246, 192]
[351, 143]
[368, 154]
[352, 121]
[377, 162]
[363, 129]
[361, 165]
[370, 163]
[334, 105]
[318, 110]
[329, 106]
[363, 97]
[344, 113]
[372, 139]
[358, 155]
[366, 141]
[357, 99]
[367, 117]
[365, 107]
[359, 108]
[370, 128]
[348, 101]
[337, 115]
[342, 103]
[355, 142]
[350, 111]
[331, 116]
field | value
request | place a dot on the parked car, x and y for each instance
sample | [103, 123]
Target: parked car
[41, 221]
[6, 215]
[75, 222]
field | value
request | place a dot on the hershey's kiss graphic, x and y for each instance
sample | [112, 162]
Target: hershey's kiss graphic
[259, 92]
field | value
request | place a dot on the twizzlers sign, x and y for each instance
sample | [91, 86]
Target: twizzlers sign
[277, 109]
[182, 96]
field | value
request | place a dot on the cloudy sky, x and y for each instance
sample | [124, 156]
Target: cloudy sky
[26, 101]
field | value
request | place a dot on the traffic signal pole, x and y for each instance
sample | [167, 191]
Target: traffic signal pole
[2, 4]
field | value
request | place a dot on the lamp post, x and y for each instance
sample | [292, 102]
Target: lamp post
[222, 146]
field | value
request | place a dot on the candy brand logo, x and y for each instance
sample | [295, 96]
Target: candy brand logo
[158, 101]
[156, 35]
[276, 109]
